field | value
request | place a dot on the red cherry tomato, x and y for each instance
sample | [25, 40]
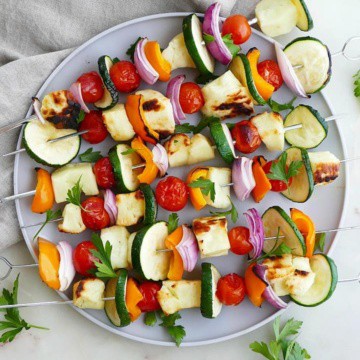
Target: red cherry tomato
[92, 88]
[125, 76]
[83, 259]
[94, 123]
[238, 27]
[276, 185]
[104, 173]
[94, 214]
[246, 136]
[149, 289]
[191, 97]
[239, 240]
[172, 193]
[231, 289]
[269, 70]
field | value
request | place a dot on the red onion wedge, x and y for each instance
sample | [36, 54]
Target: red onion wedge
[161, 159]
[66, 269]
[242, 177]
[269, 294]
[217, 48]
[173, 93]
[188, 249]
[110, 205]
[37, 109]
[288, 73]
[75, 90]
[144, 68]
[257, 233]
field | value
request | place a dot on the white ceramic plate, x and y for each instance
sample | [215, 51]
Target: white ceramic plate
[325, 206]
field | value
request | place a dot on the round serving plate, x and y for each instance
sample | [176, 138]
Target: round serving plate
[326, 206]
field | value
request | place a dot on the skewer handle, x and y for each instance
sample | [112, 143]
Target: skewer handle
[16, 124]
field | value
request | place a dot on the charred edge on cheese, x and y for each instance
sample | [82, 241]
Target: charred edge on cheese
[205, 226]
[151, 105]
[325, 173]
[233, 104]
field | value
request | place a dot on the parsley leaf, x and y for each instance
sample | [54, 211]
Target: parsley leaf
[205, 78]
[104, 269]
[184, 128]
[173, 222]
[205, 185]
[74, 194]
[13, 322]
[357, 84]
[90, 156]
[50, 215]
[320, 241]
[128, 151]
[234, 49]
[204, 122]
[277, 107]
[233, 212]
[131, 50]
[150, 318]
[115, 60]
[177, 332]
[81, 116]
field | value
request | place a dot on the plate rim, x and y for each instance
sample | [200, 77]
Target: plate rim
[88, 316]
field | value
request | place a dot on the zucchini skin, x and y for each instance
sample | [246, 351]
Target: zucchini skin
[151, 207]
[307, 14]
[221, 143]
[206, 291]
[115, 162]
[120, 296]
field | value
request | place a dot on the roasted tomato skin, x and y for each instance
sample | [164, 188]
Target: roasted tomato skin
[83, 259]
[269, 70]
[246, 136]
[238, 26]
[172, 193]
[94, 124]
[125, 76]
[191, 98]
[239, 240]
[231, 289]
[104, 173]
[92, 88]
[94, 214]
[149, 290]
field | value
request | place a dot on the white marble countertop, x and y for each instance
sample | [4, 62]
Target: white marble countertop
[330, 331]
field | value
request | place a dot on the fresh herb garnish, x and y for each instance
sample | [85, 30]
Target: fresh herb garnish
[277, 107]
[74, 194]
[177, 332]
[104, 269]
[90, 156]
[320, 241]
[81, 116]
[150, 318]
[131, 50]
[115, 60]
[234, 49]
[184, 128]
[233, 212]
[205, 185]
[280, 171]
[205, 78]
[50, 215]
[204, 122]
[173, 222]
[357, 84]
[230, 126]
[128, 151]
[13, 323]
[284, 346]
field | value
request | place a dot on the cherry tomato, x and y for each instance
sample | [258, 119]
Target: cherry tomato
[125, 76]
[231, 289]
[276, 185]
[239, 240]
[172, 193]
[191, 98]
[94, 214]
[238, 27]
[83, 259]
[246, 136]
[92, 88]
[149, 289]
[94, 123]
[269, 70]
[104, 173]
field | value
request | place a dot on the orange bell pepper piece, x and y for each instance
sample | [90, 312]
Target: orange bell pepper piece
[254, 286]
[49, 263]
[157, 61]
[132, 297]
[176, 269]
[263, 87]
[307, 228]
[196, 196]
[44, 197]
[151, 170]
[262, 183]
[133, 107]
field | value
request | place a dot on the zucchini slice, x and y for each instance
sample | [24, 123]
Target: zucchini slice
[150, 205]
[315, 60]
[326, 278]
[125, 177]
[313, 131]
[240, 67]
[302, 184]
[223, 141]
[192, 30]
[36, 138]
[146, 260]
[304, 19]
[275, 220]
[111, 95]
[210, 305]
[116, 310]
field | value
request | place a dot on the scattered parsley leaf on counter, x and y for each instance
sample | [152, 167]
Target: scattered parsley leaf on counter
[131, 50]
[74, 194]
[206, 186]
[90, 156]
[184, 128]
[320, 241]
[150, 318]
[81, 116]
[357, 84]
[13, 322]
[277, 107]
[50, 215]
[204, 122]
[233, 212]
[173, 222]
[177, 332]
[128, 151]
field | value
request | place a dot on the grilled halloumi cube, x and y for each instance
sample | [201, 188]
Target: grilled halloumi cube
[64, 179]
[89, 294]
[158, 112]
[325, 167]
[225, 97]
[117, 123]
[211, 235]
[220, 177]
[129, 246]
[271, 130]
[72, 222]
[131, 208]
[200, 149]
[178, 295]
[118, 237]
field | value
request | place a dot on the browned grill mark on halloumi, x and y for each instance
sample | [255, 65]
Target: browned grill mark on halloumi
[204, 225]
[151, 105]
[80, 288]
[301, 273]
[326, 173]
[139, 195]
[238, 103]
